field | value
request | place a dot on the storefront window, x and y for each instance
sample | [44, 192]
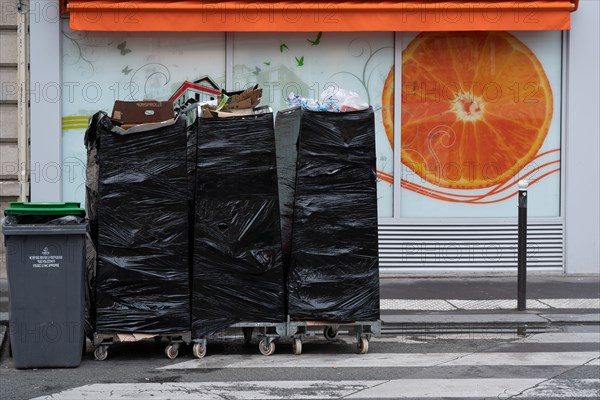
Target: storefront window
[308, 63]
[99, 68]
[480, 111]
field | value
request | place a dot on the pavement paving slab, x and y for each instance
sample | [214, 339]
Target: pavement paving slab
[575, 318]
[459, 319]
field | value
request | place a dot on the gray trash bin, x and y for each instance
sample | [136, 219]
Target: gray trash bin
[46, 280]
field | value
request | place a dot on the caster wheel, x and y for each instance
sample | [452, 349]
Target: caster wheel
[199, 350]
[363, 346]
[247, 334]
[172, 351]
[266, 348]
[297, 346]
[100, 353]
[330, 333]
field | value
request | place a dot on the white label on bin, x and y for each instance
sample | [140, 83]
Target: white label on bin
[46, 260]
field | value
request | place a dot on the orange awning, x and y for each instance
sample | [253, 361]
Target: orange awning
[314, 16]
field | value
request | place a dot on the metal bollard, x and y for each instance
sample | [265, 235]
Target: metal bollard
[522, 248]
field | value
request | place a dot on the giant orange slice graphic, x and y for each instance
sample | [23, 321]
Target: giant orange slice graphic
[476, 107]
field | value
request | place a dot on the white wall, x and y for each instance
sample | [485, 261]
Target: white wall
[582, 165]
[45, 99]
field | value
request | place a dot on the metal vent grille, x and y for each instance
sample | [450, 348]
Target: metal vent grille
[468, 246]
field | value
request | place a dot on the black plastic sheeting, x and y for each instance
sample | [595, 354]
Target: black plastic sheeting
[91, 208]
[238, 273]
[42, 219]
[334, 272]
[141, 215]
[287, 130]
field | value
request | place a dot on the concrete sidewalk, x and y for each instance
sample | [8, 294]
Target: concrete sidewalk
[459, 303]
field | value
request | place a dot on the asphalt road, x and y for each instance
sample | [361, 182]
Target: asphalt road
[564, 363]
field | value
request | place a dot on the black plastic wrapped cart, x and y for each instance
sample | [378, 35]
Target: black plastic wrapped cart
[238, 275]
[333, 280]
[138, 194]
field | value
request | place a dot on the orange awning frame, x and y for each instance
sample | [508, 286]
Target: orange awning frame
[315, 16]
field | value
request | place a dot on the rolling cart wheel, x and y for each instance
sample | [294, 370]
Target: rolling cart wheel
[247, 334]
[199, 350]
[266, 348]
[330, 333]
[100, 353]
[297, 346]
[363, 345]
[172, 351]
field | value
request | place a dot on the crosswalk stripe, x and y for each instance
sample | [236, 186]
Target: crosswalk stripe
[480, 388]
[562, 337]
[517, 385]
[216, 390]
[397, 388]
[523, 358]
[548, 337]
[389, 360]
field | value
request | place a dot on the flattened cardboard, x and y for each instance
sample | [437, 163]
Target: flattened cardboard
[141, 112]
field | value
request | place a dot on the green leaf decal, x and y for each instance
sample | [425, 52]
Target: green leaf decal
[317, 40]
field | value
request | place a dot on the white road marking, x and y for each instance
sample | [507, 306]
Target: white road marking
[372, 360]
[383, 360]
[420, 338]
[397, 388]
[563, 337]
[478, 388]
[215, 390]
[523, 358]
[492, 334]
[562, 388]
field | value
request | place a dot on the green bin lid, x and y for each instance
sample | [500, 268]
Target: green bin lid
[61, 209]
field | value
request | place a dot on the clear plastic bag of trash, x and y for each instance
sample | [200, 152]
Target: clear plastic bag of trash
[342, 100]
[332, 99]
[306, 104]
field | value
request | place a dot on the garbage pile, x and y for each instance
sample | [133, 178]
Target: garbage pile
[334, 270]
[237, 268]
[215, 216]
